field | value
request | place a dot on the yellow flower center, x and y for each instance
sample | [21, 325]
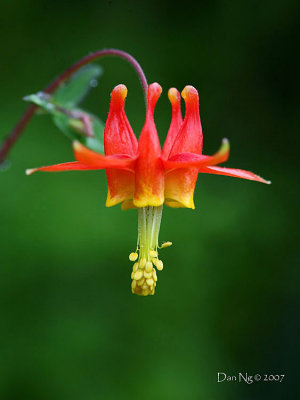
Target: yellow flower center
[144, 276]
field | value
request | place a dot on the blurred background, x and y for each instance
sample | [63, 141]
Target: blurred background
[227, 298]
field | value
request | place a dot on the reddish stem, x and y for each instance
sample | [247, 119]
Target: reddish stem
[17, 130]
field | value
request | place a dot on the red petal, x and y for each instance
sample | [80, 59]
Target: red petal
[118, 134]
[238, 173]
[176, 122]
[119, 139]
[91, 158]
[180, 185]
[149, 177]
[120, 187]
[190, 160]
[190, 137]
[68, 166]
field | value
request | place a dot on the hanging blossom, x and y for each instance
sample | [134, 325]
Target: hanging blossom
[141, 175]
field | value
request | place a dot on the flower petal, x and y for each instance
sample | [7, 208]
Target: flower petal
[176, 122]
[180, 184]
[118, 134]
[179, 191]
[90, 157]
[120, 187]
[128, 205]
[149, 177]
[68, 166]
[119, 139]
[190, 160]
[238, 173]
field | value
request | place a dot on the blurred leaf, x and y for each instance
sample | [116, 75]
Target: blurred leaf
[72, 121]
[70, 94]
[42, 100]
[73, 128]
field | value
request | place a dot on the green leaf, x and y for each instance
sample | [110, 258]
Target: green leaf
[66, 116]
[73, 129]
[42, 100]
[71, 93]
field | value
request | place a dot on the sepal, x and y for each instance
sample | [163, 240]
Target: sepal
[236, 173]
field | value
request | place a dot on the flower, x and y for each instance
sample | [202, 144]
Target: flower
[141, 175]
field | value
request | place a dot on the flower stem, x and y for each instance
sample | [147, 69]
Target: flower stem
[19, 127]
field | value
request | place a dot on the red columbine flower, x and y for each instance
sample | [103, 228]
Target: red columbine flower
[140, 175]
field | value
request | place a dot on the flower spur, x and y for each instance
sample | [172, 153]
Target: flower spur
[141, 175]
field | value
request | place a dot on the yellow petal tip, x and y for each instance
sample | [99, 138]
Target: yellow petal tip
[189, 91]
[173, 95]
[120, 92]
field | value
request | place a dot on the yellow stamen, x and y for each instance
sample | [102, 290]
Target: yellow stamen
[159, 265]
[135, 267]
[142, 262]
[154, 260]
[150, 282]
[154, 275]
[138, 274]
[144, 276]
[133, 256]
[148, 266]
[166, 244]
[147, 275]
[141, 282]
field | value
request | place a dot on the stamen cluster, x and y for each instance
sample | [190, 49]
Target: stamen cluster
[144, 275]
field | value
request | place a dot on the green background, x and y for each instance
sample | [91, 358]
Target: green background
[227, 298]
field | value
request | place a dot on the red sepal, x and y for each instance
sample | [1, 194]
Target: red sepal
[191, 160]
[237, 173]
[90, 157]
[68, 166]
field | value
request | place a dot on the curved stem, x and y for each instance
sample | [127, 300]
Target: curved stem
[19, 127]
